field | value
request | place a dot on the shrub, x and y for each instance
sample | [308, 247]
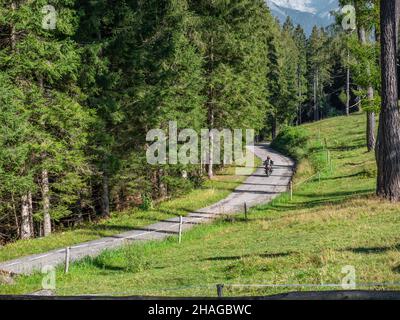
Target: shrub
[292, 141]
[147, 202]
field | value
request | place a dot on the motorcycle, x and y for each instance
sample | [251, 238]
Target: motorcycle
[268, 170]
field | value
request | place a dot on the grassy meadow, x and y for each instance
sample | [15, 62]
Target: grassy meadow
[212, 191]
[334, 220]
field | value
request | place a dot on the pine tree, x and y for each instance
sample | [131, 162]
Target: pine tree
[365, 64]
[45, 63]
[318, 69]
[15, 134]
[139, 80]
[172, 89]
[301, 44]
[234, 51]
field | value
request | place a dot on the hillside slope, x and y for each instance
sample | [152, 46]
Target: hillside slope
[303, 244]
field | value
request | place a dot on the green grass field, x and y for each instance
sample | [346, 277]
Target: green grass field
[212, 191]
[332, 222]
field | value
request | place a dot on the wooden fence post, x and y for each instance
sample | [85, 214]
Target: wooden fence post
[67, 258]
[291, 190]
[245, 210]
[180, 228]
[220, 290]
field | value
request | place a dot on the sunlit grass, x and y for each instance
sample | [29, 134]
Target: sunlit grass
[212, 191]
[331, 223]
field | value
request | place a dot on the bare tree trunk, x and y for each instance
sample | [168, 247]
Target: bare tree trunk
[348, 84]
[210, 164]
[371, 142]
[370, 130]
[210, 170]
[162, 189]
[46, 203]
[299, 96]
[154, 183]
[105, 196]
[315, 94]
[31, 213]
[397, 17]
[45, 188]
[300, 115]
[274, 128]
[388, 147]
[18, 227]
[26, 231]
[13, 33]
[316, 107]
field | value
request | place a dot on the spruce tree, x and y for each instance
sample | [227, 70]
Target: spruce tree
[233, 35]
[44, 63]
[319, 67]
[300, 40]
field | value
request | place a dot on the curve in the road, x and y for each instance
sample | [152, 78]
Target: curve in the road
[257, 189]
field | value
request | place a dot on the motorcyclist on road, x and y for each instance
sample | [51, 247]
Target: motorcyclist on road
[268, 162]
[268, 165]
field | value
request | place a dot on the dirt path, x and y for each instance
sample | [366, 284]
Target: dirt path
[257, 189]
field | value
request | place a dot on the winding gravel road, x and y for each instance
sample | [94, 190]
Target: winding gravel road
[257, 189]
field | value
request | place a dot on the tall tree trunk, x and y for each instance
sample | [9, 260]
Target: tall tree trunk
[348, 84]
[371, 142]
[397, 17]
[315, 94]
[210, 170]
[13, 33]
[154, 182]
[105, 196]
[17, 226]
[316, 107]
[274, 128]
[46, 203]
[388, 147]
[300, 115]
[370, 130]
[210, 165]
[26, 231]
[31, 214]
[45, 187]
[299, 96]
[162, 188]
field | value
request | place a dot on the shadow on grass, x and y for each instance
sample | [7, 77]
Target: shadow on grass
[263, 255]
[373, 250]
[348, 148]
[354, 175]
[104, 266]
[314, 200]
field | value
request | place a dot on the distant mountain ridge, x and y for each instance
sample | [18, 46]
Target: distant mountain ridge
[307, 13]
